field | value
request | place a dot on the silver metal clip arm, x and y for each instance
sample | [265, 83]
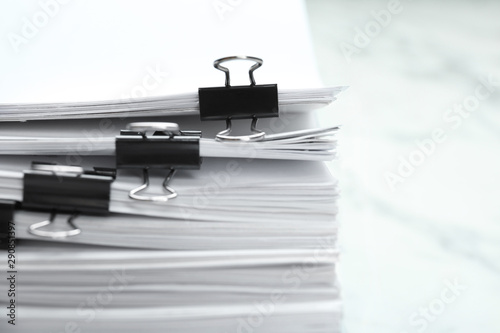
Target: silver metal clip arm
[159, 198]
[34, 228]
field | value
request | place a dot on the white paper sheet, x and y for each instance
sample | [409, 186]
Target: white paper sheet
[312, 144]
[298, 100]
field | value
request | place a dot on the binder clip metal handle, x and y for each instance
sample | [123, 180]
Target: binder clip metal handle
[258, 134]
[258, 63]
[159, 198]
[239, 102]
[34, 228]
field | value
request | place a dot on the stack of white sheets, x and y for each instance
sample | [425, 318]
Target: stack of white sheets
[248, 244]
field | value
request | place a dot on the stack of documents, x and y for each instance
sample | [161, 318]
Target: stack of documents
[294, 100]
[177, 229]
[311, 144]
[98, 290]
[250, 238]
[262, 204]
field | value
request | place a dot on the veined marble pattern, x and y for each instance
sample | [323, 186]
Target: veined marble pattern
[407, 246]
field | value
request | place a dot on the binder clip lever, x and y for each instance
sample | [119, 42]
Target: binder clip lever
[239, 102]
[133, 193]
[34, 228]
[258, 63]
[224, 135]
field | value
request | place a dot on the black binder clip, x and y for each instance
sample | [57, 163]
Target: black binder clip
[7, 208]
[66, 189]
[239, 102]
[168, 148]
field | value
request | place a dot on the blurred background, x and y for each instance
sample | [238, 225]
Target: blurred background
[419, 166]
[420, 161]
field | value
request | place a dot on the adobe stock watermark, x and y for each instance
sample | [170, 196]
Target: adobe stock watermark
[246, 150]
[87, 311]
[381, 19]
[454, 118]
[154, 77]
[292, 279]
[152, 80]
[218, 181]
[222, 7]
[31, 26]
[425, 315]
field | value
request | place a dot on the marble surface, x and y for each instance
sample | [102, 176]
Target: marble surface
[420, 243]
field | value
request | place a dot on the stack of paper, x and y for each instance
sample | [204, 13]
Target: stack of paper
[313, 144]
[247, 245]
[96, 289]
[296, 100]
[256, 204]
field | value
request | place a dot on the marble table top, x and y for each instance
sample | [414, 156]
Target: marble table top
[420, 163]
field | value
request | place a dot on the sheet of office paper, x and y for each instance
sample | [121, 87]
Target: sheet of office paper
[170, 290]
[310, 144]
[245, 191]
[188, 36]
[186, 104]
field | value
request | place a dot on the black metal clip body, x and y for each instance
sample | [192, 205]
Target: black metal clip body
[168, 148]
[66, 189]
[239, 102]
